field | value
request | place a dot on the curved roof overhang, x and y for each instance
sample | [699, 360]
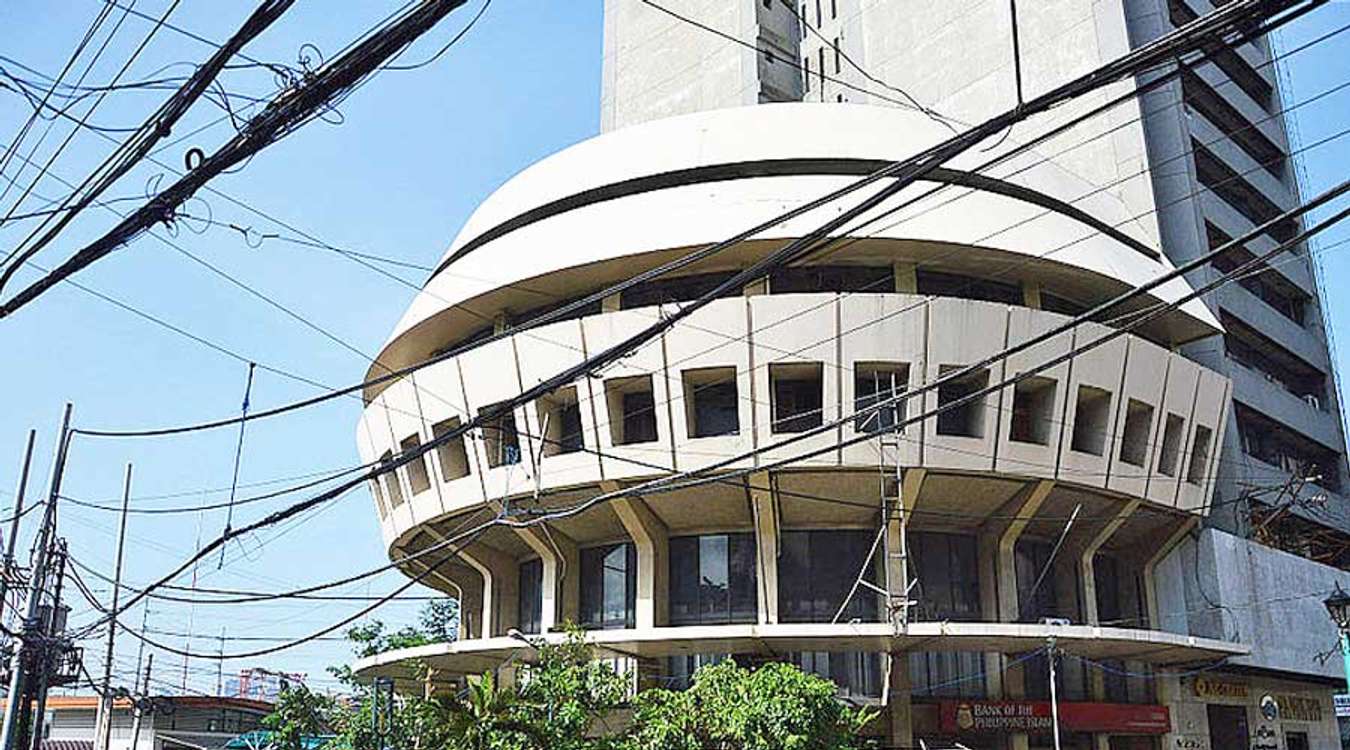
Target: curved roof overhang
[1088, 641]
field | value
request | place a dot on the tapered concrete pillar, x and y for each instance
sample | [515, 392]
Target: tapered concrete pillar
[765, 511]
[652, 540]
[896, 548]
[561, 589]
[998, 587]
[501, 587]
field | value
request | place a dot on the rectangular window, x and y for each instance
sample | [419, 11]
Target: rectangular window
[1195, 472]
[1091, 420]
[713, 579]
[856, 674]
[392, 489]
[378, 493]
[1033, 411]
[802, 21]
[834, 8]
[838, 67]
[531, 595]
[451, 454]
[816, 571]
[418, 478]
[821, 54]
[946, 568]
[711, 402]
[1138, 424]
[797, 391]
[820, 18]
[966, 417]
[1173, 433]
[632, 410]
[873, 383]
[608, 586]
[500, 440]
[806, 74]
[560, 419]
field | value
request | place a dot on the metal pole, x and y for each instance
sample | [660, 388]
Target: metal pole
[48, 652]
[220, 665]
[14, 521]
[139, 711]
[1345, 656]
[1054, 695]
[104, 737]
[32, 616]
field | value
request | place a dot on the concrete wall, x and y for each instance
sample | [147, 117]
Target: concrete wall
[1226, 587]
[656, 65]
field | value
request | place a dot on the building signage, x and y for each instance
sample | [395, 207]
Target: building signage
[1342, 701]
[971, 717]
[1301, 707]
[1213, 687]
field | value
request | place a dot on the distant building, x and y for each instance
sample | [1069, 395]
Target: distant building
[256, 683]
[180, 722]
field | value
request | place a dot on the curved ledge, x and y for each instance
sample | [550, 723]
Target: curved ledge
[785, 168]
[1155, 647]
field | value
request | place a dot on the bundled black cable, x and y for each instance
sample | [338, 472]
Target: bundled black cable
[157, 127]
[284, 115]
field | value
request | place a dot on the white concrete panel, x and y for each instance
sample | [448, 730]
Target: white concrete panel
[1038, 456]
[1210, 413]
[968, 332]
[1143, 382]
[1183, 377]
[884, 328]
[1093, 371]
[714, 337]
[543, 353]
[637, 459]
[792, 334]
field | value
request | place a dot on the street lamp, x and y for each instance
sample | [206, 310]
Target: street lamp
[1338, 606]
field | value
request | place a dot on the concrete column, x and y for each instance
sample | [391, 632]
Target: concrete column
[765, 512]
[1150, 567]
[468, 600]
[998, 585]
[1087, 568]
[501, 587]
[1031, 294]
[652, 540]
[901, 713]
[906, 278]
[910, 486]
[562, 574]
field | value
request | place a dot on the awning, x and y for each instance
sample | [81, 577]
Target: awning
[1155, 647]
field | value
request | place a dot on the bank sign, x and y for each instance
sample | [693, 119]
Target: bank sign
[974, 717]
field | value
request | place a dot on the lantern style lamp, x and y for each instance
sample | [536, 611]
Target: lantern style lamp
[1338, 606]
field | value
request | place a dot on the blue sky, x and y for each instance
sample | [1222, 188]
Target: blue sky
[415, 152]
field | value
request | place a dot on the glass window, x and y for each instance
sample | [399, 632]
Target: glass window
[816, 571]
[531, 595]
[632, 409]
[713, 579]
[500, 440]
[797, 391]
[948, 579]
[874, 382]
[711, 402]
[608, 586]
[856, 674]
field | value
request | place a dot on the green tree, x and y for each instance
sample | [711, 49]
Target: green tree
[299, 713]
[774, 707]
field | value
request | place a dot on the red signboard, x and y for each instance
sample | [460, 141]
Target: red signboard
[974, 717]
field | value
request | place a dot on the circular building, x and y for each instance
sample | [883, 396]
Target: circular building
[923, 566]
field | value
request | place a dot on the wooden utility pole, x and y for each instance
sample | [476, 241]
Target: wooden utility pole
[140, 702]
[8, 562]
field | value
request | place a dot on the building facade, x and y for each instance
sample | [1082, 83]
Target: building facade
[176, 723]
[1126, 505]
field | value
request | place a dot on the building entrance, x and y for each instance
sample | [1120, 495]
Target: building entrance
[1227, 726]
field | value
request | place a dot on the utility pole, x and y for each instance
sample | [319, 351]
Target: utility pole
[19, 493]
[32, 645]
[103, 736]
[140, 703]
[220, 665]
[1054, 694]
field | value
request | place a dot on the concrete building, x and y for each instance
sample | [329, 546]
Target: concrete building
[1107, 503]
[177, 723]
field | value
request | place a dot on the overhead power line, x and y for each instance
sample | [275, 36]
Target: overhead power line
[283, 116]
[156, 128]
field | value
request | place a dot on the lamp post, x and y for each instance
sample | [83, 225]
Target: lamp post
[1338, 606]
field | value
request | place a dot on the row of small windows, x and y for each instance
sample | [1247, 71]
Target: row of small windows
[1281, 295]
[1227, 59]
[712, 398]
[1234, 189]
[713, 580]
